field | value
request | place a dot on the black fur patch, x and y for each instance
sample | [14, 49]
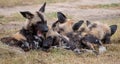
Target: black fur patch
[88, 22]
[106, 39]
[42, 9]
[77, 25]
[61, 17]
[74, 41]
[47, 43]
[113, 29]
[27, 14]
[91, 39]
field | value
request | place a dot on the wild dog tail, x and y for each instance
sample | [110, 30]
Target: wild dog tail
[11, 49]
[102, 49]
[7, 40]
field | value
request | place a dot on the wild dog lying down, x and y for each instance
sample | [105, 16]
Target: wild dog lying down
[77, 42]
[67, 41]
[30, 36]
[52, 39]
[97, 33]
[101, 31]
[63, 26]
[68, 29]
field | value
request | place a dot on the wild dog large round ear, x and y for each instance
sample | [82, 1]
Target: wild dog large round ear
[88, 22]
[42, 9]
[27, 14]
[77, 25]
[61, 17]
[113, 29]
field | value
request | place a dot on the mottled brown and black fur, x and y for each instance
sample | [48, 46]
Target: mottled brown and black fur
[35, 26]
[62, 25]
[101, 31]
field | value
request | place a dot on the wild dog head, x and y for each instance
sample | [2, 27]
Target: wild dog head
[36, 25]
[62, 25]
[52, 39]
[36, 21]
[101, 31]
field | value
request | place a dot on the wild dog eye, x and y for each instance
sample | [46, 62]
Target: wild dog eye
[39, 22]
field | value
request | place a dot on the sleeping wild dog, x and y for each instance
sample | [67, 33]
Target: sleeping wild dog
[101, 31]
[97, 33]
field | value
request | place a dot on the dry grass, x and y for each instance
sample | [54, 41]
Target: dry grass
[105, 6]
[60, 56]
[11, 18]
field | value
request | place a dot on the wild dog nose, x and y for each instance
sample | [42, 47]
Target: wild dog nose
[45, 30]
[46, 46]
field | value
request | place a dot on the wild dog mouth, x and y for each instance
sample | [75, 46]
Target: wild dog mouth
[39, 33]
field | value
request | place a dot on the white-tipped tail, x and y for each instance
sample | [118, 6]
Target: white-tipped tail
[102, 49]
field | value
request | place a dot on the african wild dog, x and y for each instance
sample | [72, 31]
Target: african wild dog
[67, 41]
[97, 33]
[32, 33]
[77, 42]
[101, 31]
[67, 29]
[53, 38]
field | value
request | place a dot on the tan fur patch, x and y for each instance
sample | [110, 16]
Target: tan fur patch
[19, 36]
[67, 26]
[99, 30]
[51, 32]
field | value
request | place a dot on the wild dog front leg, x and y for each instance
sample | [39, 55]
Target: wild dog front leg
[90, 46]
[64, 41]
